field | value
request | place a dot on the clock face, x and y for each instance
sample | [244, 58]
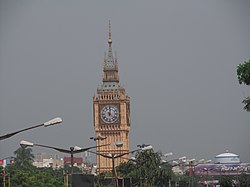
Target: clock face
[109, 114]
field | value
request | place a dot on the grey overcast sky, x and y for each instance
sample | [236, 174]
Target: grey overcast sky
[177, 60]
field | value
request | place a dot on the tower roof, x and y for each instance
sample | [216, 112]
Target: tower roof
[109, 60]
[110, 69]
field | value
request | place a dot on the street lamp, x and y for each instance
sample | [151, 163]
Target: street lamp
[71, 150]
[208, 161]
[114, 156]
[206, 170]
[167, 154]
[173, 162]
[97, 140]
[46, 124]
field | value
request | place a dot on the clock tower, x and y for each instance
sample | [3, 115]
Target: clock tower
[111, 108]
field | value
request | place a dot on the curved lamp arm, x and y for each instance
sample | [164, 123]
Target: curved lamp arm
[46, 124]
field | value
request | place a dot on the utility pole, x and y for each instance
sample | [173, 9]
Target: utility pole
[66, 179]
[4, 180]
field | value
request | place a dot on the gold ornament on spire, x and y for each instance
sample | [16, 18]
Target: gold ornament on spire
[110, 40]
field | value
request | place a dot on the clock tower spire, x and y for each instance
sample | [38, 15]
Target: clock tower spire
[110, 68]
[111, 107]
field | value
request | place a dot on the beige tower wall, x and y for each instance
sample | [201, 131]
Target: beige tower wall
[118, 131]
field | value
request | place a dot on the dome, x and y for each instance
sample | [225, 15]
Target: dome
[227, 158]
[226, 155]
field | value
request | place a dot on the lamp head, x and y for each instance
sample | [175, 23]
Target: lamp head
[132, 158]
[183, 159]
[117, 144]
[201, 160]
[192, 160]
[24, 144]
[175, 162]
[110, 155]
[98, 138]
[53, 122]
[142, 145]
[168, 154]
[76, 148]
[148, 147]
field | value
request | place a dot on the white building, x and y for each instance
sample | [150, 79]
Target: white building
[227, 158]
[51, 162]
[47, 160]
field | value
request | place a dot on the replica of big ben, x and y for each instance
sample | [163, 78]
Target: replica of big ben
[111, 114]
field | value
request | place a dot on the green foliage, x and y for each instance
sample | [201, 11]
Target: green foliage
[24, 157]
[101, 177]
[127, 169]
[23, 174]
[148, 166]
[38, 177]
[145, 170]
[246, 101]
[67, 168]
[226, 181]
[243, 73]
[244, 180]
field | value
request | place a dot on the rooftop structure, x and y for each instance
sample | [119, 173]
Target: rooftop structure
[227, 158]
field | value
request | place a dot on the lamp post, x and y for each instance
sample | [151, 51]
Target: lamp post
[172, 163]
[191, 165]
[97, 140]
[46, 124]
[206, 170]
[114, 156]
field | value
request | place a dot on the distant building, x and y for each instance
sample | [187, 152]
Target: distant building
[227, 158]
[51, 162]
[77, 161]
[55, 161]
[224, 164]
[41, 156]
[48, 160]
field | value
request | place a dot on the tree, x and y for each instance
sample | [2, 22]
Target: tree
[149, 166]
[24, 157]
[226, 181]
[127, 169]
[23, 174]
[38, 177]
[244, 180]
[243, 73]
[145, 170]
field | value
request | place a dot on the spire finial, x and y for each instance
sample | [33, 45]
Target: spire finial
[110, 40]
